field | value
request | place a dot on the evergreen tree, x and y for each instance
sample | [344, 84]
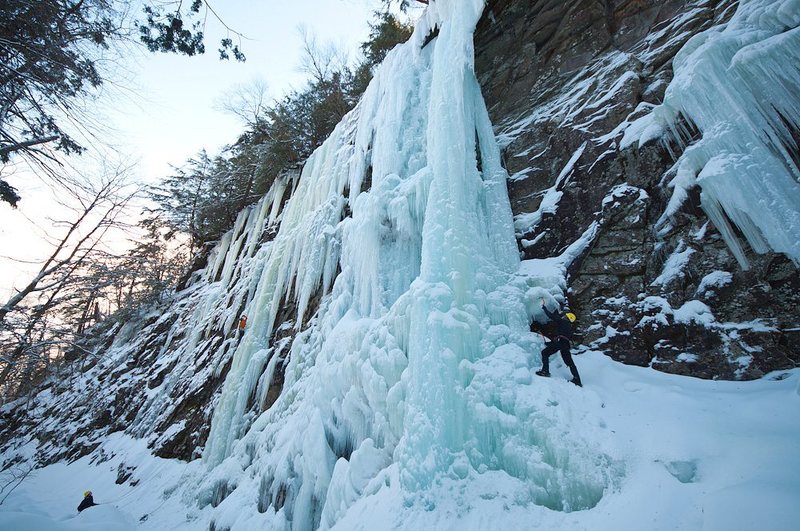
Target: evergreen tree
[175, 28]
[44, 67]
[386, 32]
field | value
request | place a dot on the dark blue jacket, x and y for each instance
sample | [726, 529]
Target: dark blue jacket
[87, 502]
[563, 326]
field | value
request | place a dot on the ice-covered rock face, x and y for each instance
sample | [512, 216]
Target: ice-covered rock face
[738, 85]
[391, 309]
[413, 366]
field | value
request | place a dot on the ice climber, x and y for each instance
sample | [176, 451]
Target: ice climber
[87, 502]
[560, 341]
[243, 322]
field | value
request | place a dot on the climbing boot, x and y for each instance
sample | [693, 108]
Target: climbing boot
[576, 381]
[544, 373]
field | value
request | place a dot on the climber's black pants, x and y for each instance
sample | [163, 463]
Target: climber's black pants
[561, 344]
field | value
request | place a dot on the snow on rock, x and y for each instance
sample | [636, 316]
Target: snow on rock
[675, 266]
[579, 103]
[407, 397]
[622, 190]
[525, 223]
[694, 312]
[713, 282]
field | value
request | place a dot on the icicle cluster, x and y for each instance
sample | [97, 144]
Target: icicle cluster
[738, 84]
[207, 310]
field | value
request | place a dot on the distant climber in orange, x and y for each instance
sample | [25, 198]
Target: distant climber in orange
[242, 323]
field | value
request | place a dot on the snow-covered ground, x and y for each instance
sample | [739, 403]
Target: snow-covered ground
[688, 454]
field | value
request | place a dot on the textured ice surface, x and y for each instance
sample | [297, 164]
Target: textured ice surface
[721, 455]
[408, 400]
[738, 84]
[683, 471]
[419, 359]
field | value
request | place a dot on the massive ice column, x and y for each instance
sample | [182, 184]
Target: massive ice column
[465, 254]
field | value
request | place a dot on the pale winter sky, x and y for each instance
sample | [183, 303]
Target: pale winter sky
[162, 109]
[176, 115]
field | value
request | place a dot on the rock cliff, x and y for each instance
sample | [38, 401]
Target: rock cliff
[562, 82]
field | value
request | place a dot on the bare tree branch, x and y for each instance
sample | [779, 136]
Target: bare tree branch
[108, 204]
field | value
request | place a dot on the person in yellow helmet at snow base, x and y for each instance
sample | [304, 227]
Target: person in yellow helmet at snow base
[561, 342]
[87, 502]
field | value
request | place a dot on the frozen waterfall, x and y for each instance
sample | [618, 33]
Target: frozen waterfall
[410, 374]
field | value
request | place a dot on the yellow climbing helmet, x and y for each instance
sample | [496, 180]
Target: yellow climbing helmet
[571, 316]
[87, 493]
